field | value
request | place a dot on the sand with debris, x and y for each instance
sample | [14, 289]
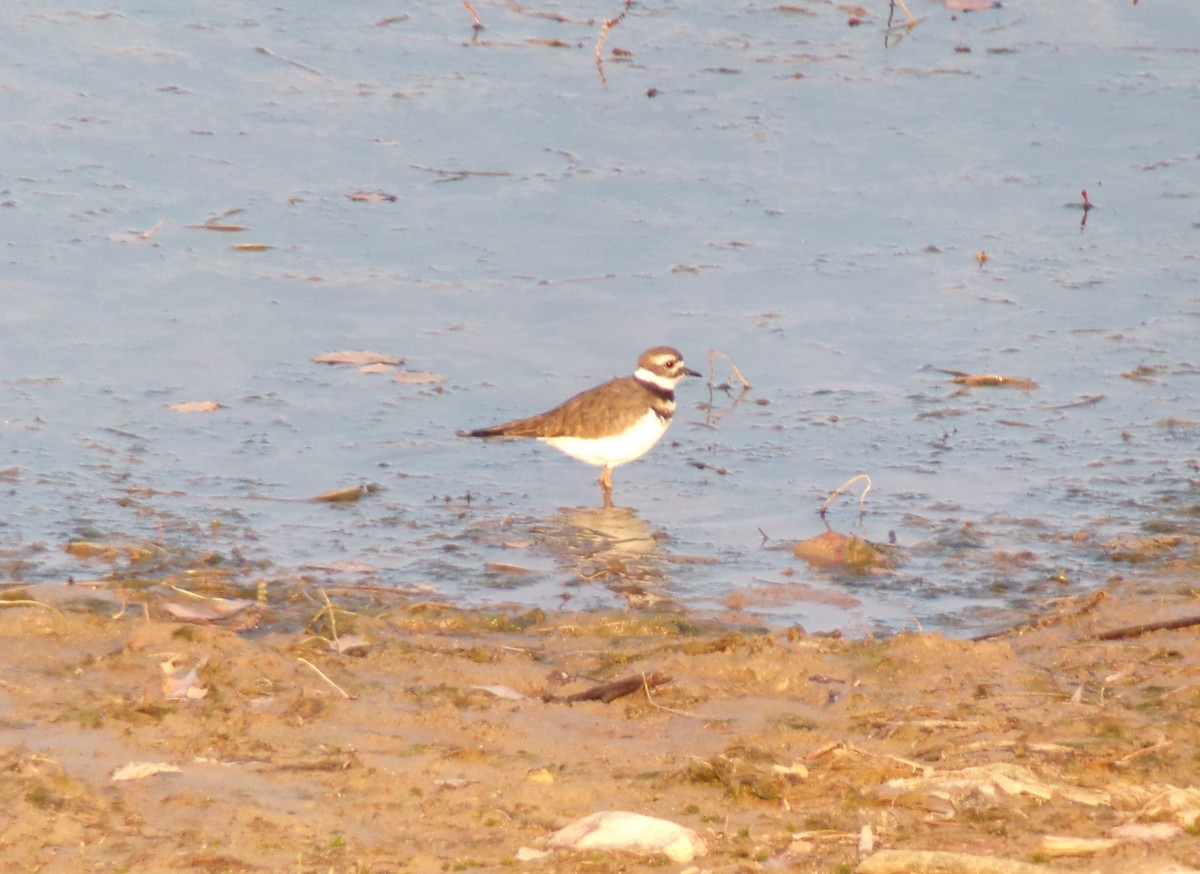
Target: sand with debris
[411, 750]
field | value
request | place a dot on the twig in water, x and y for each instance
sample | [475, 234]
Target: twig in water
[478, 25]
[458, 175]
[145, 235]
[332, 619]
[609, 24]
[27, 603]
[712, 416]
[653, 703]
[895, 33]
[1085, 401]
[321, 674]
[840, 489]
[1081, 607]
[305, 67]
[737, 374]
[1144, 751]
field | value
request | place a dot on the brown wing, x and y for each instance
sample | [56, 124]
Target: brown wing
[607, 407]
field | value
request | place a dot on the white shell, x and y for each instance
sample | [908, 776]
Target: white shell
[621, 830]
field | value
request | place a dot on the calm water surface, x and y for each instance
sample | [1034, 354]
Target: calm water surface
[805, 196]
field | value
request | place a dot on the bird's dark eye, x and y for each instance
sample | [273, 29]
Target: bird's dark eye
[670, 363]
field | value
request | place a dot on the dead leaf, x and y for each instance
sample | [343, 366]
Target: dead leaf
[990, 380]
[183, 684]
[371, 197]
[1056, 845]
[220, 226]
[208, 609]
[1145, 831]
[195, 407]
[971, 5]
[506, 692]
[134, 236]
[350, 644]
[415, 377]
[339, 567]
[142, 770]
[993, 380]
[353, 493]
[455, 783]
[506, 568]
[251, 247]
[1143, 372]
[358, 358]
[792, 592]
[87, 549]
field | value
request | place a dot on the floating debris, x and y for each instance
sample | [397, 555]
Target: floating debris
[142, 770]
[417, 377]
[342, 496]
[357, 358]
[990, 380]
[195, 407]
[831, 549]
[371, 197]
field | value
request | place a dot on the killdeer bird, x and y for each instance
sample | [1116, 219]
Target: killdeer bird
[610, 424]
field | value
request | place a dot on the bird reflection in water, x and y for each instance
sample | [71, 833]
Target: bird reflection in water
[612, 547]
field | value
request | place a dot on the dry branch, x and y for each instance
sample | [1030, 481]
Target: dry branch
[458, 175]
[1086, 605]
[1148, 628]
[929, 862]
[609, 692]
[297, 64]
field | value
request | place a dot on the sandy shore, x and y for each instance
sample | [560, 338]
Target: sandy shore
[410, 752]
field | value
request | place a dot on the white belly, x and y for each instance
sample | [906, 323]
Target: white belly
[617, 449]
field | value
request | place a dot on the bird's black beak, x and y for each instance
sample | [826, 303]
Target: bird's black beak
[687, 371]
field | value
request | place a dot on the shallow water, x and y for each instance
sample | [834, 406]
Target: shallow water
[802, 195]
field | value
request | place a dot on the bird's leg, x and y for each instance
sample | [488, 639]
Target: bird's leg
[606, 487]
